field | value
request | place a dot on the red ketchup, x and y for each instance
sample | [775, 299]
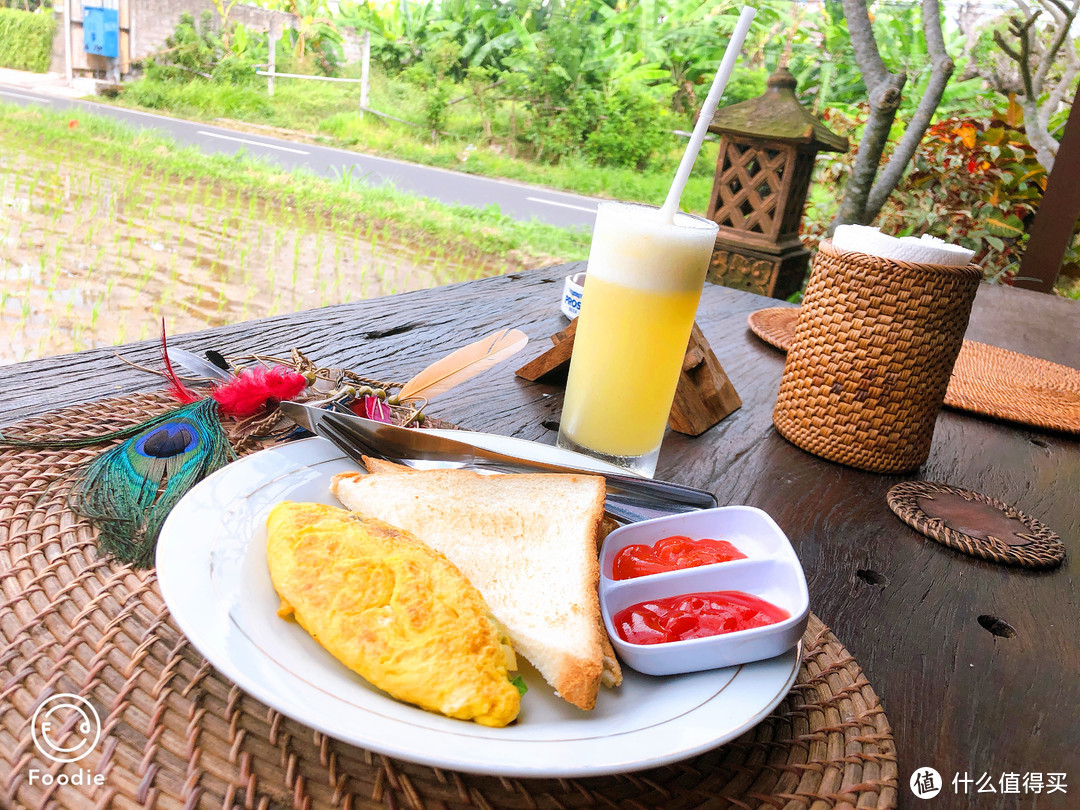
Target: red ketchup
[694, 615]
[671, 554]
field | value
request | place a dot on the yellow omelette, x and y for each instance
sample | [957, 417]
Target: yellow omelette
[393, 610]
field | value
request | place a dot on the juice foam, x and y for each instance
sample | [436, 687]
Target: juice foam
[632, 246]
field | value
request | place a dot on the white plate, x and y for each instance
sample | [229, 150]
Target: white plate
[211, 564]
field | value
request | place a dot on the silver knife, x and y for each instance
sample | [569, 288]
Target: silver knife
[629, 498]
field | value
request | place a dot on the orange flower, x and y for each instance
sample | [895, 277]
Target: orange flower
[72, 124]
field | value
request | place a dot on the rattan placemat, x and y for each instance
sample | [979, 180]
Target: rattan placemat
[178, 734]
[986, 380]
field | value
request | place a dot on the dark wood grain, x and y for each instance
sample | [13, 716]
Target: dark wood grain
[960, 698]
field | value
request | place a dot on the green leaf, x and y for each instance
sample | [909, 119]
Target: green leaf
[528, 42]
[560, 71]
[519, 683]
[1009, 226]
[995, 243]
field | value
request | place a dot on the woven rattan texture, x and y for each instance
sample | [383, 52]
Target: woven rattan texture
[1008, 385]
[178, 734]
[1045, 549]
[986, 380]
[775, 325]
[871, 358]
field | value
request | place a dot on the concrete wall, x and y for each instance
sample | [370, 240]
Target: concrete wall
[155, 20]
[352, 46]
[56, 61]
[144, 27]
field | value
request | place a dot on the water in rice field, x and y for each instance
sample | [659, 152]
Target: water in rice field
[94, 253]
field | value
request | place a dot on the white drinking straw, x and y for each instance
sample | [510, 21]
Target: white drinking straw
[712, 101]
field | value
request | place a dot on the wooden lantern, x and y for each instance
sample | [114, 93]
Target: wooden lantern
[767, 149]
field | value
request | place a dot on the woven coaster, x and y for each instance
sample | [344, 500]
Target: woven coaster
[178, 734]
[775, 325]
[986, 380]
[976, 524]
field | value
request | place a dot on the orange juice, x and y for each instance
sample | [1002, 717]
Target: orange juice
[642, 288]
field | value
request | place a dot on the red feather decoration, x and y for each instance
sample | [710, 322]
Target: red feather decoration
[372, 408]
[256, 388]
[184, 394]
[378, 410]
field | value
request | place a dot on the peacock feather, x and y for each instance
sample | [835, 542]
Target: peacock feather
[86, 441]
[129, 490]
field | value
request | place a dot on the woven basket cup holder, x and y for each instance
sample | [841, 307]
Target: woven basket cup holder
[871, 357]
[177, 734]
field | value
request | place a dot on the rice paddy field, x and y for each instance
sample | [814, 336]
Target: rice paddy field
[100, 240]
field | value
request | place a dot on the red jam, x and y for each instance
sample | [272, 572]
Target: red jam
[695, 615]
[671, 554]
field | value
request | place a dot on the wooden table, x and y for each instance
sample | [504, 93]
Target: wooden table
[960, 699]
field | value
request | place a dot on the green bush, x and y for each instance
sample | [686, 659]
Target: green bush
[630, 130]
[975, 182]
[199, 50]
[26, 39]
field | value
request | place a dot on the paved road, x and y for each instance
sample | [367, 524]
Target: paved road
[517, 200]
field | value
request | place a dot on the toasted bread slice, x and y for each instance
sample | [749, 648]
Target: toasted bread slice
[378, 466]
[528, 544]
[612, 673]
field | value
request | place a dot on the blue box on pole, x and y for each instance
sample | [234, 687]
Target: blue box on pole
[101, 31]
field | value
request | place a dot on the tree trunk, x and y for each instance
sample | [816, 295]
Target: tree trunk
[871, 184]
[884, 100]
[1040, 139]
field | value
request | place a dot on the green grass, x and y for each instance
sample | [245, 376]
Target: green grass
[483, 233]
[327, 113]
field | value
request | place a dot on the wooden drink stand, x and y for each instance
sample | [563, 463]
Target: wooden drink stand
[703, 397]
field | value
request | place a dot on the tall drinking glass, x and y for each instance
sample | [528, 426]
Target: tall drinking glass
[642, 288]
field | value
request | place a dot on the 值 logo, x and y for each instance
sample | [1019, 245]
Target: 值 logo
[926, 783]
